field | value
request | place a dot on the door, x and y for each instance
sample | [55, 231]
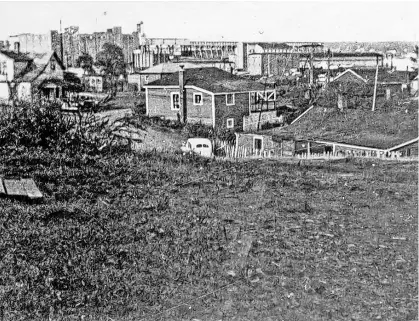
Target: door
[257, 144]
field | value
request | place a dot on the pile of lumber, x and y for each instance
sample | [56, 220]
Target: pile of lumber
[24, 187]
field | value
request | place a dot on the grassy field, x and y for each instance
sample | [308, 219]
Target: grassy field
[159, 236]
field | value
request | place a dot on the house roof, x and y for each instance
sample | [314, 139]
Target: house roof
[19, 57]
[273, 45]
[350, 72]
[168, 68]
[379, 129]
[40, 61]
[384, 75]
[212, 79]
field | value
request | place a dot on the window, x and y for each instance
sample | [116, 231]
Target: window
[175, 101]
[197, 99]
[230, 123]
[52, 65]
[205, 145]
[229, 99]
[199, 146]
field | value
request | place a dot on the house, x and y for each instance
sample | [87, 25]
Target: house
[358, 132]
[157, 72]
[208, 95]
[27, 76]
[353, 130]
[93, 80]
[390, 83]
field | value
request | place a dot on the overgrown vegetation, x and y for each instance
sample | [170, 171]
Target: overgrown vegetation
[130, 236]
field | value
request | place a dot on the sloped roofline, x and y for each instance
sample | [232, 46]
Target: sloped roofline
[352, 72]
[403, 144]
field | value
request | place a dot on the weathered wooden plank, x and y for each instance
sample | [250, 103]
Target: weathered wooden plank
[14, 187]
[2, 191]
[32, 190]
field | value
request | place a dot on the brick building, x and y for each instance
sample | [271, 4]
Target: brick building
[208, 95]
[74, 44]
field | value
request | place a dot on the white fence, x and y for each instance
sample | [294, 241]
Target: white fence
[229, 151]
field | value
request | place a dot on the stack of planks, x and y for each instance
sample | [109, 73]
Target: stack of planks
[24, 187]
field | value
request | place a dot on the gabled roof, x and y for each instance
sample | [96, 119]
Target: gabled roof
[18, 57]
[167, 68]
[211, 79]
[38, 65]
[349, 72]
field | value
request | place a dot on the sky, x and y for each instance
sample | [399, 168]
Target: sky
[321, 21]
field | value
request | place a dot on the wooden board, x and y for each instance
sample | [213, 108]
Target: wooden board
[32, 190]
[14, 187]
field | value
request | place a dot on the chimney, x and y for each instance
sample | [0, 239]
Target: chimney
[182, 96]
[17, 47]
[139, 27]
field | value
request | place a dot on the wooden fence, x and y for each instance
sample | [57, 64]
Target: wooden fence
[227, 150]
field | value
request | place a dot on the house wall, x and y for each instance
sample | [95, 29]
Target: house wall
[4, 92]
[159, 104]
[247, 141]
[6, 68]
[250, 122]
[236, 111]
[24, 91]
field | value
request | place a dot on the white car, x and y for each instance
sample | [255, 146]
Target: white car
[200, 146]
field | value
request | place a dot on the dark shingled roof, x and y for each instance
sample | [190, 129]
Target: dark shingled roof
[19, 57]
[212, 79]
[274, 45]
[378, 129]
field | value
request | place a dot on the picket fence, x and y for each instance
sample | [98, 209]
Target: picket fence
[223, 149]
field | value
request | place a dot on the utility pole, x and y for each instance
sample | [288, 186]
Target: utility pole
[375, 89]
[328, 66]
[311, 79]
